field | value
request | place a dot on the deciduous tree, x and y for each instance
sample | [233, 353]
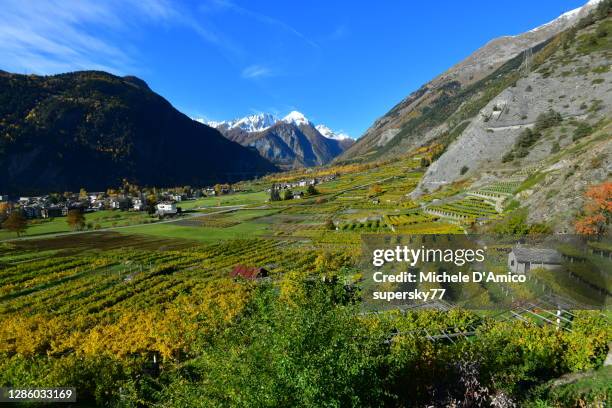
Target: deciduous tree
[597, 211]
[76, 220]
[16, 223]
[274, 193]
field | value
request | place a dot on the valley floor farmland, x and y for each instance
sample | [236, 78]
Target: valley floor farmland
[148, 314]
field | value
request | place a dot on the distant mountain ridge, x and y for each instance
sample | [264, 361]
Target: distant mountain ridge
[92, 129]
[291, 142]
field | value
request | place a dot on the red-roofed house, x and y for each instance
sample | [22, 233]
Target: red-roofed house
[248, 272]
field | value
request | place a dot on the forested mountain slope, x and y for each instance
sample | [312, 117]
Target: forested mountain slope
[92, 129]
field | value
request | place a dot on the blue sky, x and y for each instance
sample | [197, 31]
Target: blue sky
[341, 63]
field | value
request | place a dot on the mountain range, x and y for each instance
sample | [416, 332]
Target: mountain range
[92, 129]
[291, 142]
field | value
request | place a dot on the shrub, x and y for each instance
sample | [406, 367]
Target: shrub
[583, 129]
[311, 190]
[526, 139]
[547, 120]
[288, 195]
[555, 147]
[464, 170]
[602, 31]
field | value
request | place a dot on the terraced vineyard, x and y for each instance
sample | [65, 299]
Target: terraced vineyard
[466, 209]
[366, 226]
[410, 218]
[498, 190]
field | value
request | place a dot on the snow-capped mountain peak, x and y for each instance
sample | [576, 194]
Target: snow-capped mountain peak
[330, 134]
[252, 123]
[262, 121]
[255, 123]
[296, 118]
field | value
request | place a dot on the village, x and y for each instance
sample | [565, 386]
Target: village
[161, 202]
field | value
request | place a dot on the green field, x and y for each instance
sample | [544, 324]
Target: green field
[98, 219]
[253, 198]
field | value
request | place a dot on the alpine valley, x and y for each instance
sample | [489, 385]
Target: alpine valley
[148, 259]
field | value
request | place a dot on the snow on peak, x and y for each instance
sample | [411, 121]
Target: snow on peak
[568, 16]
[210, 123]
[255, 123]
[330, 134]
[262, 121]
[251, 123]
[296, 118]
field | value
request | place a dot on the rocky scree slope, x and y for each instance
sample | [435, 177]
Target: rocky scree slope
[574, 81]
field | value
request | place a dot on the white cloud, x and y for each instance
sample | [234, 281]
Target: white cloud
[45, 37]
[256, 71]
[51, 36]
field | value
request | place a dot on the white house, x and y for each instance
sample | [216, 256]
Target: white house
[521, 259]
[166, 208]
[113, 203]
[138, 204]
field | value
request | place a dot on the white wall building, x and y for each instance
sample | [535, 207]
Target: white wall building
[522, 260]
[166, 208]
